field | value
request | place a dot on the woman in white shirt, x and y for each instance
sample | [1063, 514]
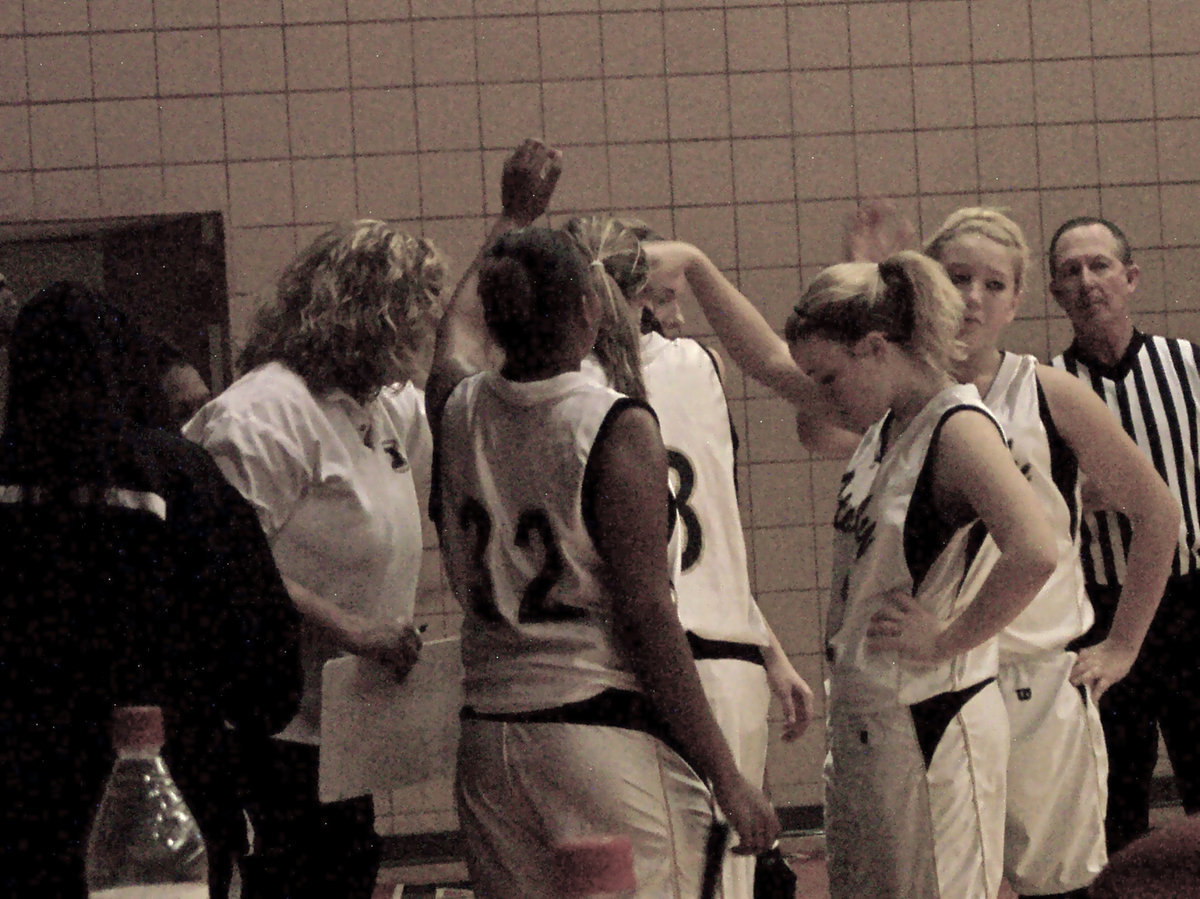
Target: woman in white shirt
[305, 438]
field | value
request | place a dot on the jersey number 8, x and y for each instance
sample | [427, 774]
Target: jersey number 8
[685, 484]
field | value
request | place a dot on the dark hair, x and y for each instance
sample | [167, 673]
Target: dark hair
[1124, 252]
[531, 283]
[353, 310]
[81, 373]
[908, 298]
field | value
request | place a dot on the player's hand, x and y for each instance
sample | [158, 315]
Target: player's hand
[669, 260]
[528, 181]
[905, 628]
[876, 230]
[750, 813]
[1099, 667]
[795, 697]
[392, 644]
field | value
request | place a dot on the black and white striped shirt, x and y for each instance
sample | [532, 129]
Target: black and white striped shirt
[1155, 392]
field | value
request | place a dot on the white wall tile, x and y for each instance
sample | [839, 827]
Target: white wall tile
[123, 64]
[63, 135]
[189, 62]
[55, 15]
[58, 67]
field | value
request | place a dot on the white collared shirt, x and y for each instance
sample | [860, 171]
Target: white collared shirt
[333, 488]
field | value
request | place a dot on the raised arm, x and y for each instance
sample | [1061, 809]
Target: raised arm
[1121, 478]
[463, 347]
[752, 343]
[876, 230]
[974, 470]
[630, 495]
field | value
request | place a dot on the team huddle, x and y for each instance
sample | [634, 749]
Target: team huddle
[965, 745]
[1012, 618]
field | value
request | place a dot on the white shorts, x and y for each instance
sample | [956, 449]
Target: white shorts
[896, 826]
[740, 696]
[523, 789]
[1057, 778]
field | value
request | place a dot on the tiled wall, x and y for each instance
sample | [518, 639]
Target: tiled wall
[750, 128]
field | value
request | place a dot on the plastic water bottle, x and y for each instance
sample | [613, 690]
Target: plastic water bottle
[144, 842]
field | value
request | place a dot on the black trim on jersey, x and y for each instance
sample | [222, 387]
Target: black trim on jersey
[885, 434]
[612, 707]
[932, 716]
[713, 359]
[1064, 465]
[974, 544]
[435, 473]
[703, 648]
[435, 488]
[587, 502]
[927, 530]
[733, 434]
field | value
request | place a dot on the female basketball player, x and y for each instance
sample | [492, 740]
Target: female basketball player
[939, 544]
[738, 656]
[1054, 832]
[582, 700]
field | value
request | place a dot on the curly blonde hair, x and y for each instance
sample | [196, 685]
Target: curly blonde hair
[907, 297]
[984, 221]
[353, 311]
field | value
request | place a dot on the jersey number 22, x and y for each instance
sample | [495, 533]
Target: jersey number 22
[536, 605]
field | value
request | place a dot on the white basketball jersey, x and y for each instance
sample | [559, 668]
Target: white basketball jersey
[713, 586]
[594, 371]
[888, 536]
[1060, 612]
[538, 629]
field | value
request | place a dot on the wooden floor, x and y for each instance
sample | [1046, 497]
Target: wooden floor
[805, 852]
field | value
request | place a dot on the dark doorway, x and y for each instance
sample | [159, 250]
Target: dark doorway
[167, 271]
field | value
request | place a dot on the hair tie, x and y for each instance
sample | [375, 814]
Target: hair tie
[596, 262]
[900, 293]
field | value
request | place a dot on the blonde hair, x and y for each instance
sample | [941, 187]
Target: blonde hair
[614, 253]
[907, 297]
[984, 221]
[353, 310]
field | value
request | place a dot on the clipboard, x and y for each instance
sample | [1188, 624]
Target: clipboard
[378, 735]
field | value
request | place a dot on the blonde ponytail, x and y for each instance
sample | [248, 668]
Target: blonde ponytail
[613, 252]
[908, 298]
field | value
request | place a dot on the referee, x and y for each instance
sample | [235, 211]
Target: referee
[1153, 385]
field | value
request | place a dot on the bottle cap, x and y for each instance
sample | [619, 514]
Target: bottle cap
[595, 865]
[137, 727]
